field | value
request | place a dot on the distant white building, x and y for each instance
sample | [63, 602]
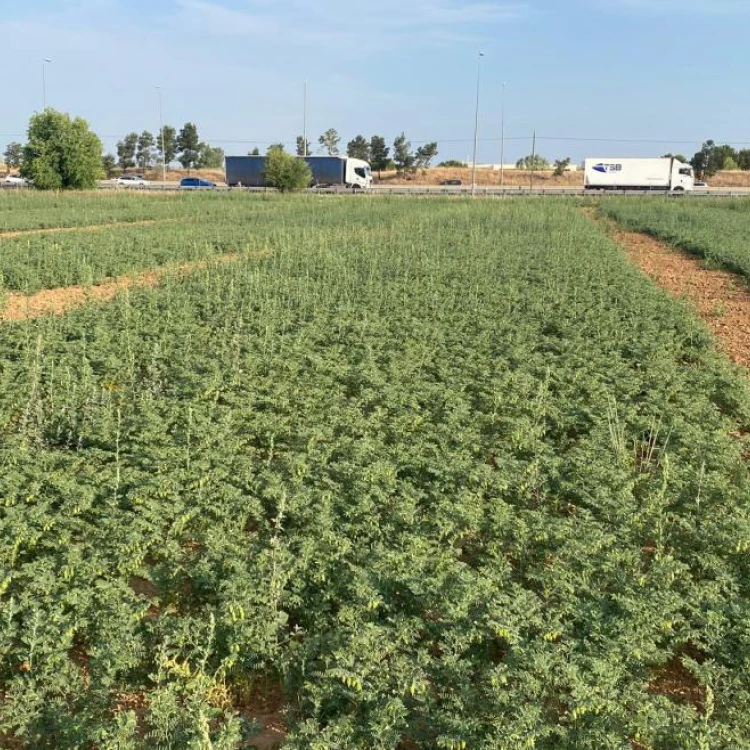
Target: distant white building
[498, 167]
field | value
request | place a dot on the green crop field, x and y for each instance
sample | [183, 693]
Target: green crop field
[716, 230]
[31, 210]
[423, 474]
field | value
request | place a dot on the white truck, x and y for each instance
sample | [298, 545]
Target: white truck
[667, 174]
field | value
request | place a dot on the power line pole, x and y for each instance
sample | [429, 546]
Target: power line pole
[502, 140]
[304, 121]
[533, 162]
[476, 130]
[44, 82]
[161, 132]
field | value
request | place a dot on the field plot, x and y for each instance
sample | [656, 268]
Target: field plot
[29, 210]
[716, 230]
[429, 474]
[193, 228]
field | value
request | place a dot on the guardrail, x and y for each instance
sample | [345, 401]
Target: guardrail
[431, 190]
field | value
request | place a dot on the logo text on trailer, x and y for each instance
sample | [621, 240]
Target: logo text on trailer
[606, 168]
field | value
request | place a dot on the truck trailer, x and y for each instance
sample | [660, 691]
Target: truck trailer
[327, 171]
[667, 174]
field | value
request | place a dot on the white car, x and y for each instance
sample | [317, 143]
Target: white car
[701, 185]
[131, 180]
[15, 180]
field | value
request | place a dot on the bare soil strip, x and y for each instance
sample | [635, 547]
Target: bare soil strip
[722, 299]
[58, 301]
[89, 228]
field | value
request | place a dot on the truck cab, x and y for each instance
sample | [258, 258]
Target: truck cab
[683, 177]
[358, 174]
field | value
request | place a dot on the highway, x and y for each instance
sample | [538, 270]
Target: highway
[464, 190]
[439, 190]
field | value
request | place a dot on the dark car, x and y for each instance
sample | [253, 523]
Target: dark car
[195, 183]
[456, 183]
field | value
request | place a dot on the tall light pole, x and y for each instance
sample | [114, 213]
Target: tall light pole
[502, 140]
[44, 82]
[476, 130]
[161, 135]
[304, 120]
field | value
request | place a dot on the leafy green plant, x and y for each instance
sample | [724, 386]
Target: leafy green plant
[712, 229]
[286, 172]
[478, 489]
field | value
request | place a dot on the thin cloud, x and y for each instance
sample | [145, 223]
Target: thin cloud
[328, 21]
[705, 7]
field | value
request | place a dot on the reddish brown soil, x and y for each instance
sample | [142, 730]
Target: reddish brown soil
[721, 299]
[90, 228]
[272, 729]
[674, 681]
[58, 301]
[265, 704]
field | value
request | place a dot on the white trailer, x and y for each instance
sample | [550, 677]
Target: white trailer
[668, 174]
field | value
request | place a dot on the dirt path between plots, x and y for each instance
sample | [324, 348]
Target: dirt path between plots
[722, 299]
[58, 301]
[7, 235]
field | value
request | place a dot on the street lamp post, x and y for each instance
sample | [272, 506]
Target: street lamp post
[161, 135]
[476, 130]
[44, 82]
[304, 120]
[502, 140]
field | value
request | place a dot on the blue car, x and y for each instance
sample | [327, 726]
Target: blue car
[195, 183]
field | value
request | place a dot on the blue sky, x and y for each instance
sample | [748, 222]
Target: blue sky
[627, 70]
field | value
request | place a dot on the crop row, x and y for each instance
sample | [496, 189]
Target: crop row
[213, 226]
[30, 210]
[714, 230]
[461, 478]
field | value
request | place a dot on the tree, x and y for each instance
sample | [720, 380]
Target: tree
[330, 141]
[145, 150]
[12, 155]
[743, 159]
[402, 154]
[711, 158]
[126, 151]
[109, 165]
[255, 152]
[701, 159]
[378, 153]
[275, 147]
[286, 172]
[561, 167]
[536, 161]
[61, 153]
[167, 137]
[358, 148]
[453, 163]
[188, 144]
[304, 148]
[730, 164]
[425, 154]
[210, 157]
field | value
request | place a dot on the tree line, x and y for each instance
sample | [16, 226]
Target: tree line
[64, 153]
[374, 150]
[145, 150]
[713, 158]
